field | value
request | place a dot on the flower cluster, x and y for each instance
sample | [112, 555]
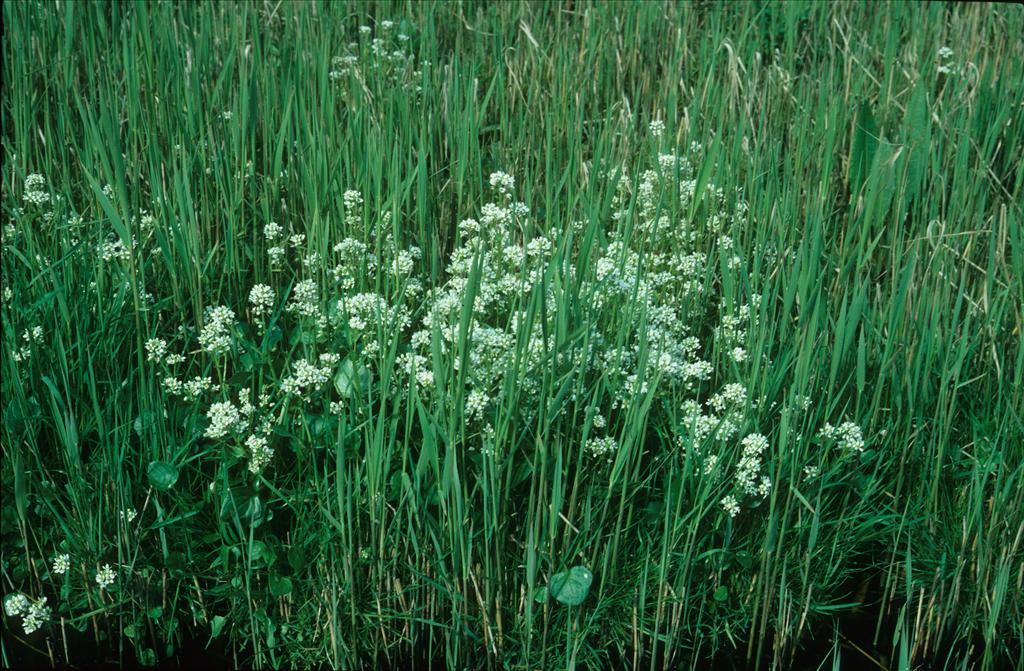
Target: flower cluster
[847, 436]
[106, 576]
[35, 190]
[307, 377]
[388, 57]
[261, 300]
[61, 564]
[31, 337]
[33, 612]
[754, 446]
[215, 336]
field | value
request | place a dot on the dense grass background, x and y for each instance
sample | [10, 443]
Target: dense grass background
[884, 235]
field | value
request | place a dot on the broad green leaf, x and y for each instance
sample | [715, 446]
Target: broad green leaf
[280, 585]
[571, 587]
[216, 625]
[345, 379]
[147, 657]
[297, 558]
[162, 475]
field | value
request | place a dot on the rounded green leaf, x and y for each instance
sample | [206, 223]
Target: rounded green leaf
[571, 587]
[345, 379]
[280, 585]
[162, 475]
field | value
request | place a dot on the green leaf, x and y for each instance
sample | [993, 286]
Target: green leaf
[261, 552]
[350, 379]
[280, 585]
[571, 587]
[863, 148]
[245, 504]
[162, 475]
[722, 593]
[345, 379]
[297, 558]
[147, 657]
[143, 422]
[918, 131]
[216, 625]
[540, 595]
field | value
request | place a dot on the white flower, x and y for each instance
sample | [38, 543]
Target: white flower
[37, 614]
[730, 505]
[215, 336]
[115, 250]
[260, 453]
[847, 436]
[305, 377]
[476, 404]
[224, 419]
[61, 564]
[196, 386]
[16, 604]
[754, 446]
[261, 297]
[156, 349]
[657, 127]
[128, 515]
[35, 182]
[600, 447]
[502, 182]
[38, 198]
[272, 230]
[305, 299]
[106, 576]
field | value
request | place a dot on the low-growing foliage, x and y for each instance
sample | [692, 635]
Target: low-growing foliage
[519, 335]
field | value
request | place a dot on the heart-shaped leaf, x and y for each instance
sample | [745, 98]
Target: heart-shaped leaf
[345, 379]
[162, 475]
[350, 379]
[571, 587]
[280, 585]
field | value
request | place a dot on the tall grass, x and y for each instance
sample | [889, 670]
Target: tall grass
[883, 235]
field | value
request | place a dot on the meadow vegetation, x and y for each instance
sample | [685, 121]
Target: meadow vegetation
[513, 335]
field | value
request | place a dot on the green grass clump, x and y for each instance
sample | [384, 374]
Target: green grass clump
[525, 335]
